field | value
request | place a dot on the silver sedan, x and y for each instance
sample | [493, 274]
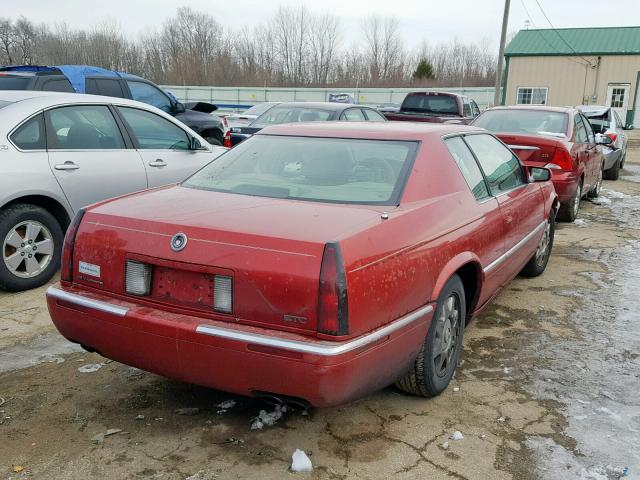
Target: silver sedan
[605, 121]
[60, 152]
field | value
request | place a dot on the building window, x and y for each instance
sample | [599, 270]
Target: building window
[532, 95]
[617, 97]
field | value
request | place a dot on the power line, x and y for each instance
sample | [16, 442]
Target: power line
[558, 33]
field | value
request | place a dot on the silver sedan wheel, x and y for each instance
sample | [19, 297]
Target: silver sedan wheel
[28, 249]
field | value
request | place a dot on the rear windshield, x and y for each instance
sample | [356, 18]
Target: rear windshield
[278, 115]
[14, 83]
[534, 122]
[600, 123]
[437, 104]
[4, 103]
[258, 109]
[316, 169]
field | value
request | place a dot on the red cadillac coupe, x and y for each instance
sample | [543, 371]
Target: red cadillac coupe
[314, 261]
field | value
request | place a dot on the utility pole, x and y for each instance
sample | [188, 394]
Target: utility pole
[503, 39]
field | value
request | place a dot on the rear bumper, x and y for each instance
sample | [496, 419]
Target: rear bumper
[566, 184]
[237, 358]
[611, 157]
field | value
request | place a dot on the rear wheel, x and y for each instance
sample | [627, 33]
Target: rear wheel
[437, 361]
[31, 242]
[538, 262]
[569, 211]
[595, 191]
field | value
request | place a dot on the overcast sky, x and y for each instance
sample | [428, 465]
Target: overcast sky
[437, 21]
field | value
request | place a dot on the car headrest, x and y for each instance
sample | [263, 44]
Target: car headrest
[83, 136]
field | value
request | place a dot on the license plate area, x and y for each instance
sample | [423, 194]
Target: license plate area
[182, 287]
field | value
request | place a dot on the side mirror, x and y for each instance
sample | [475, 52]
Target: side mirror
[539, 174]
[194, 144]
[179, 108]
[603, 139]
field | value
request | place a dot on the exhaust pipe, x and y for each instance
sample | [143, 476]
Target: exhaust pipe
[276, 399]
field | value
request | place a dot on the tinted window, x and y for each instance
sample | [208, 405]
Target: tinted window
[57, 85]
[580, 131]
[307, 168]
[146, 93]
[14, 83]
[600, 124]
[353, 115]
[500, 166]
[374, 116]
[468, 166]
[535, 122]
[83, 127]
[284, 114]
[441, 104]
[153, 131]
[110, 87]
[466, 109]
[30, 135]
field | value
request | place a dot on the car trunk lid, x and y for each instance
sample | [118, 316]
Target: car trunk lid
[533, 149]
[271, 248]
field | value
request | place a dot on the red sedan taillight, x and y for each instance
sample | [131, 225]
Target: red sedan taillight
[227, 139]
[66, 272]
[612, 136]
[332, 296]
[561, 160]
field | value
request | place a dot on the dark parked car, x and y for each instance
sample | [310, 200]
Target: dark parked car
[294, 112]
[560, 139]
[435, 107]
[99, 81]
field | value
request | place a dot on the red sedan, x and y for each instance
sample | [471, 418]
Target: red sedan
[560, 139]
[315, 261]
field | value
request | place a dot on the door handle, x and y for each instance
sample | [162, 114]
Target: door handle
[158, 163]
[66, 166]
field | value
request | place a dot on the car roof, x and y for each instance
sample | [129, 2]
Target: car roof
[52, 98]
[333, 106]
[369, 130]
[546, 108]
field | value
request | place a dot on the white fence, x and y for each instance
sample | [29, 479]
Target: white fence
[241, 98]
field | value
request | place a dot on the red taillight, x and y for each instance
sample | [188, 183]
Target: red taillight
[612, 136]
[561, 159]
[332, 296]
[227, 139]
[66, 272]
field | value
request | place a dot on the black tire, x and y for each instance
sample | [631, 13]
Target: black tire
[424, 379]
[12, 216]
[538, 262]
[597, 188]
[569, 211]
[614, 172]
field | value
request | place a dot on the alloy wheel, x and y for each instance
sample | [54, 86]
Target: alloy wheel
[28, 249]
[447, 332]
[543, 246]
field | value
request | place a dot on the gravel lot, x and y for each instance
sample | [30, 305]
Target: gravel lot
[548, 387]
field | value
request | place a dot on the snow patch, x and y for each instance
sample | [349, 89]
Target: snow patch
[601, 201]
[580, 222]
[268, 419]
[90, 368]
[615, 194]
[300, 462]
[457, 435]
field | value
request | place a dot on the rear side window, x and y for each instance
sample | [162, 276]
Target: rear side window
[590, 136]
[57, 85]
[83, 127]
[468, 166]
[580, 130]
[501, 167]
[30, 135]
[374, 116]
[154, 132]
[111, 87]
[466, 109]
[14, 83]
[146, 93]
[353, 115]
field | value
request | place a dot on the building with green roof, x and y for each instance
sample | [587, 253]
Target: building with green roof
[575, 66]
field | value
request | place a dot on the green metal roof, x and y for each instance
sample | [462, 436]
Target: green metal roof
[575, 41]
